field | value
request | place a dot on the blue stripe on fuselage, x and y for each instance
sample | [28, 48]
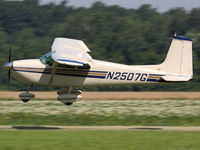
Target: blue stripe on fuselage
[156, 75]
[153, 80]
[65, 74]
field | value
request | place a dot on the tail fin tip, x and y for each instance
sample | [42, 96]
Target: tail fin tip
[181, 38]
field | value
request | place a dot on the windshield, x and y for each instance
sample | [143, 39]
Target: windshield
[47, 59]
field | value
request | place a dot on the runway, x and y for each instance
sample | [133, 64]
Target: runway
[102, 128]
[110, 95]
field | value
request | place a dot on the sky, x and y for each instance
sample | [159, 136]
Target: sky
[161, 5]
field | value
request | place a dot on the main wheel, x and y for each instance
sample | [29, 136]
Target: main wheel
[68, 104]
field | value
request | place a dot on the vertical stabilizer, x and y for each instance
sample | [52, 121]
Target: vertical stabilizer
[179, 57]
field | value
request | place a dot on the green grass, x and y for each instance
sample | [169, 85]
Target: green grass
[98, 120]
[47, 112]
[98, 140]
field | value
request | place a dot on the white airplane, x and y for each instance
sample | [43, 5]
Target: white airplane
[69, 65]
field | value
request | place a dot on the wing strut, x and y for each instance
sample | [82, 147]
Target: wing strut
[53, 72]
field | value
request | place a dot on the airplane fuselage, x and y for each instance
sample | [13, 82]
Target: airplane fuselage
[32, 71]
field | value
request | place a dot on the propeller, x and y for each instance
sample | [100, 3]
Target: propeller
[8, 77]
[9, 56]
[9, 64]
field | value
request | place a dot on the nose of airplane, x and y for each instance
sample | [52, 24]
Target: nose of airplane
[8, 65]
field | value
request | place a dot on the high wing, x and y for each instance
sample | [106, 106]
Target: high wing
[70, 52]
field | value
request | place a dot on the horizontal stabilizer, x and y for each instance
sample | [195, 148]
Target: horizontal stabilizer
[170, 78]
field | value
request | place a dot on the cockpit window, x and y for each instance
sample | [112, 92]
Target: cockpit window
[47, 59]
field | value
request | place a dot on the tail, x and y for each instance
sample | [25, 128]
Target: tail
[178, 63]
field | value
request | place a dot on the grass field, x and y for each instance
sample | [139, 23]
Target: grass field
[99, 140]
[137, 112]
[130, 112]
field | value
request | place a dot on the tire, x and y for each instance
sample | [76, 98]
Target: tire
[68, 104]
[25, 100]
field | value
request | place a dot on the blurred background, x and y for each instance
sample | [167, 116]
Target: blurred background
[129, 32]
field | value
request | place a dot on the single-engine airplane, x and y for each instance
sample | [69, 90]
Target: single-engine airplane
[69, 65]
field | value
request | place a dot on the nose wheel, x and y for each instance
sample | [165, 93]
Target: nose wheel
[26, 96]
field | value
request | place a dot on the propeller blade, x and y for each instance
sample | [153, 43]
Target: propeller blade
[9, 71]
[9, 64]
[9, 56]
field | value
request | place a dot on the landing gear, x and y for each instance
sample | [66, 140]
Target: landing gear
[25, 97]
[68, 96]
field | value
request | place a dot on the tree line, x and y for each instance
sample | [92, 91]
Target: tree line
[112, 33]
